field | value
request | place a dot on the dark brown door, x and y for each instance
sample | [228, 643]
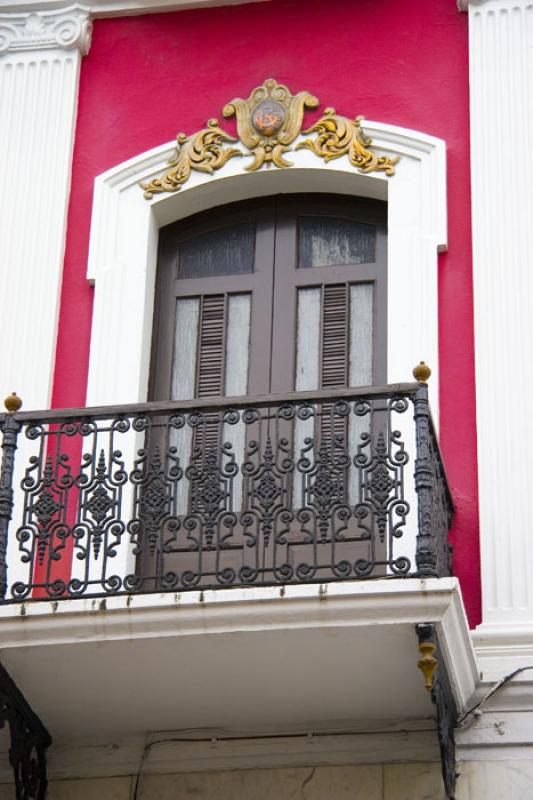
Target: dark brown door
[266, 297]
[271, 296]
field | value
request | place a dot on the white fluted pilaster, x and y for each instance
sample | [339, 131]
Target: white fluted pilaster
[39, 72]
[501, 81]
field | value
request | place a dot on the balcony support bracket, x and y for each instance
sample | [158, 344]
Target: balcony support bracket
[29, 741]
[437, 682]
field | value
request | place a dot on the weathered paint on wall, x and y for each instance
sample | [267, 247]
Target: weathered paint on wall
[498, 780]
[401, 62]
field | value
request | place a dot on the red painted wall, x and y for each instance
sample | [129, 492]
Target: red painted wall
[403, 62]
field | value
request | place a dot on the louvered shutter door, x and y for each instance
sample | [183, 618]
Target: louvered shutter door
[211, 349]
[210, 370]
[334, 350]
[334, 355]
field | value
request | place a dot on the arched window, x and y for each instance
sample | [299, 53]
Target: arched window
[282, 294]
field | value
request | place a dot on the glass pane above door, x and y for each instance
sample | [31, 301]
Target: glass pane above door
[329, 241]
[225, 251]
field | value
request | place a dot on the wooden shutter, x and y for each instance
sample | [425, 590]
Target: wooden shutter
[334, 353]
[211, 346]
[210, 365]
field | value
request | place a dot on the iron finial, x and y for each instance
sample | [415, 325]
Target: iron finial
[421, 372]
[13, 403]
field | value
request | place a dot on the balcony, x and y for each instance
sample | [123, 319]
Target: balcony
[329, 486]
[297, 543]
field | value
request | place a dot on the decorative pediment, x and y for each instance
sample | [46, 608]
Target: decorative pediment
[268, 123]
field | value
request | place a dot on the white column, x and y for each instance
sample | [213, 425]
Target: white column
[40, 57]
[501, 86]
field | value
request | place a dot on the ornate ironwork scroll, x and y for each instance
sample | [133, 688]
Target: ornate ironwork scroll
[29, 741]
[268, 123]
[435, 507]
[9, 428]
[161, 497]
[446, 720]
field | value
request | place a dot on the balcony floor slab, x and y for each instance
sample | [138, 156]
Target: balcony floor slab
[335, 658]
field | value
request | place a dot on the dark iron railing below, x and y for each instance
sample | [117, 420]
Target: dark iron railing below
[29, 741]
[305, 487]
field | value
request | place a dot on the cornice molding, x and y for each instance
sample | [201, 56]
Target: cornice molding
[113, 8]
[68, 28]
[463, 5]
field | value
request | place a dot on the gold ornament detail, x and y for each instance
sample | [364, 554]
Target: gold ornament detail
[421, 372]
[339, 136]
[13, 403]
[427, 663]
[203, 152]
[268, 122]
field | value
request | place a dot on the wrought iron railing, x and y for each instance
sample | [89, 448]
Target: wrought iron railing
[29, 741]
[314, 487]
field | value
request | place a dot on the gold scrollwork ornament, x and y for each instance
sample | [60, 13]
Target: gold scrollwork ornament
[339, 136]
[269, 121]
[204, 151]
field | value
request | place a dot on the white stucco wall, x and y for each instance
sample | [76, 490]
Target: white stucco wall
[501, 780]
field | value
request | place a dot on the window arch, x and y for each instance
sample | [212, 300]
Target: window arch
[124, 237]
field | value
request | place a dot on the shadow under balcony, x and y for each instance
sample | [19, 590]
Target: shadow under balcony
[241, 570]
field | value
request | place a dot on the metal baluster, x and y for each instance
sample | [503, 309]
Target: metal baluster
[426, 541]
[10, 431]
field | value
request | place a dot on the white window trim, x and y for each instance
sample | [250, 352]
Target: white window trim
[124, 234]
